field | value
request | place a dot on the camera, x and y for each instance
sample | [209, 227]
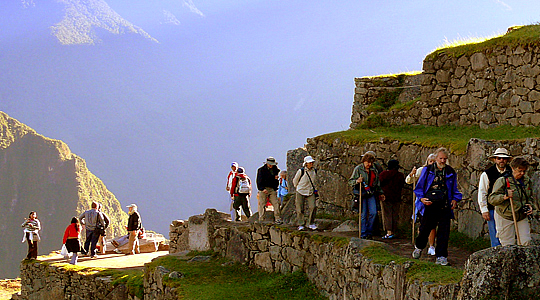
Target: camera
[525, 209]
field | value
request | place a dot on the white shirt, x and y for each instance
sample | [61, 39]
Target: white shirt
[483, 187]
[303, 185]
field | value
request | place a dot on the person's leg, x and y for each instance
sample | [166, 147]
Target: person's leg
[273, 199]
[432, 235]
[299, 203]
[73, 258]
[312, 209]
[245, 205]
[524, 229]
[136, 243]
[87, 242]
[428, 222]
[261, 199]
[364, 217]
[236, 206]
[395, 216]
[386, 210]
[443, 234]
[506, 231]
[371, 204]
[103, 247]
[30, 246]
[93, 244]
[492, 230]
[131, 243]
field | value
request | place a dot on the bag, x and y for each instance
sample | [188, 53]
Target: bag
[436, 196]
[243, 186]
[64, 251]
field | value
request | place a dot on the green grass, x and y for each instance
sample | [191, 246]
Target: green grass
[323, 239]
[521, 35]
[462, 241]
[385, 100]
[132, 279]
[420, 270]
[455, 138]
[217, 280]
[404, 106]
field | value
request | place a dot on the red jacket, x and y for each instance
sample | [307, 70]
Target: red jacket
[235, 181]
[72, 231]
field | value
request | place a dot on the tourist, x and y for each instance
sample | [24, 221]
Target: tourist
[31, 226]
[306, 192]
[392, 182]
[90, 220]
[234, 166]
[71, 239]
[365, 179]
[412, 178]
[103, 233]
[512, 198]
[283, 187]
[267, 185]
[437, 196]
[134, 225]
[376, 164]
[501, 168]
[241, 193]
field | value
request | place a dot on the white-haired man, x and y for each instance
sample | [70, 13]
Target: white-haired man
[304, 181]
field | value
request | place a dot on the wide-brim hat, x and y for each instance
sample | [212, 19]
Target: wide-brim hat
[132, 205]
[271, 161]
[501, 152]
[308, 159]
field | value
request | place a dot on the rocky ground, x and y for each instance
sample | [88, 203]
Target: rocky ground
[9, 287]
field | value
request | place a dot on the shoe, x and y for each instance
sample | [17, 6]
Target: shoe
[388, 236]
[301, 227]
[312, 227]
[431, 250]
[441, 260]
[416, 253]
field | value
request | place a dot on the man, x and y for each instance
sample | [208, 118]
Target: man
[134, 224]
[90, 220]
[241, 193]
[437, 196]
[304, 182]
[267, 184]
[230, 177]
[501, 158]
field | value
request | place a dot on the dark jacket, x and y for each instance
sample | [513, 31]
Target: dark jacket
[134, 221]
[426, 179]
[392, 182]
[266, 177]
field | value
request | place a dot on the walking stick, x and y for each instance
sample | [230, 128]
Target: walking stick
[513, 213]
[360, 208]
[413, 211]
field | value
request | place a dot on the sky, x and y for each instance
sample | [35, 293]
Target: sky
[228, 81]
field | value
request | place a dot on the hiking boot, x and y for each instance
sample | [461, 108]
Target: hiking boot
[431, 250]
[312, 227]
[416, 253]
[301, 227]
[441, 260]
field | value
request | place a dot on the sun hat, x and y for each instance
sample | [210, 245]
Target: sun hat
[132, 205]
[501, 152]
[308, 159]
[271, 161]
[234, 164]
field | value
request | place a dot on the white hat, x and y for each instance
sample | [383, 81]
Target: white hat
[501, 152]
[308, 159]
[132, 205]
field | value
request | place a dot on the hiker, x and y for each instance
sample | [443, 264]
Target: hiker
[71, 239]
[515, 187]
[500, 168]
[267, 184]
[392, 182]
[376, 164]
[232, 173]
[365, 180]
[133, 227]
[31, 226]
[103, 231]
[283, 187]
[437, 196]
[417, 217]
[306, 192]
[90, 219]
[241, 193]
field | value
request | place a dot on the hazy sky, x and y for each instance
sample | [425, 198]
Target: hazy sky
[228, 81]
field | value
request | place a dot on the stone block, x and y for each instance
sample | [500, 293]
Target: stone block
[442, 76]
[534, 96]
[525, 107]
[479, 61]
[264, 261]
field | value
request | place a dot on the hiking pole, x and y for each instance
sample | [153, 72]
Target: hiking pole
[413, 211]
[360, 208]
[513, 212]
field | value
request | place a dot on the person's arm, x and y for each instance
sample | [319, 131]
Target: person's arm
[354, 176]
[498, 195]
[260, 179]
[483, 186]
[82, 217]
[66, 233]
[38, 224]
[457, 196]
[296, 178]
[233, 186]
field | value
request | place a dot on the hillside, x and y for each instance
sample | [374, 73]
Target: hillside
[41, 174]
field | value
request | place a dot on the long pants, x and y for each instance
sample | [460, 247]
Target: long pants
[91, 240]
[133, 246]
[369, 213]
[241, 200]
[300, 201]
[73, 258]
[435, 217]
[262, 202]
[506, 231]
[492, 230]
[32, 247]
[101, 243]
[390, 214]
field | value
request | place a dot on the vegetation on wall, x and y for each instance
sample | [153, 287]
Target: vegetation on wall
[385, 100]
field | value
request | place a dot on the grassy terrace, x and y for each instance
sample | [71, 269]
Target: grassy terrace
[519, 35]
[455, 138]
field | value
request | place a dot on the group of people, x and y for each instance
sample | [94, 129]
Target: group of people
[94, 221]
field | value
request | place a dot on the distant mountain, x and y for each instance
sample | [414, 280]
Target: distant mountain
[41, 174]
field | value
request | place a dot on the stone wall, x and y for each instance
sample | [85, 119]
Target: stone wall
[495, 87]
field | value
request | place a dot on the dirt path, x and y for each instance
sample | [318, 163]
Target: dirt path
[9, 287]
[111, 261]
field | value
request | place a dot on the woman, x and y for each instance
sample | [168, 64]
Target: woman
[71, 239]
[413, 178]
[101, 239]
[518, 189]
[365, 178]
[392, 182]
[283, 187]
[31, 226]
[240, 193]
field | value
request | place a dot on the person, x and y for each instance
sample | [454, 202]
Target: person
[283, 187]
[267, 185]
[501, 168]
[392, 182]
[516, 188]
[232, 173]
[306, 192]
[90, 220]
[31, 226]
[437, 196]
[376, 164]
[413, 178]
[101, 239]
[134, 224]
[71, 239]
[365, 179]
[241, 192]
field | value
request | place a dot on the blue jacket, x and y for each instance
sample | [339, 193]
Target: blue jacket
[426, 179]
